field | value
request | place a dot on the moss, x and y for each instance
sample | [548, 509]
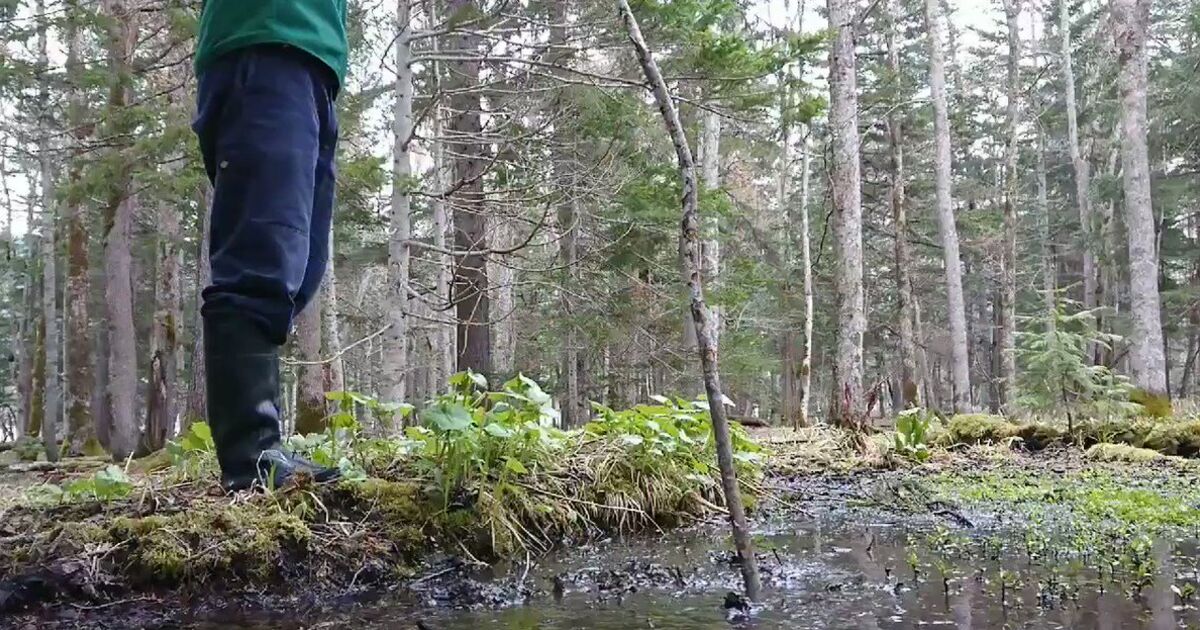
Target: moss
[1038, 436]
[156, 461]
[1121, 453]
[977, 428]
[400, 508]
[1175, 438]
[1153, 405]
[206, 542]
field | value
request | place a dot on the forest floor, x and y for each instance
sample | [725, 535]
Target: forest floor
[1048, 523]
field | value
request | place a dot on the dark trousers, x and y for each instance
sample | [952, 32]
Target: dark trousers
[268, 131]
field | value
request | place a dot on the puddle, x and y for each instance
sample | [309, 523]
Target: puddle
[820, 577]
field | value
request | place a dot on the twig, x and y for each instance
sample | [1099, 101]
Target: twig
[119, 602]
[342, 352]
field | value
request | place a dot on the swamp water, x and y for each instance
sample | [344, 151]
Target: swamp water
[834, 576]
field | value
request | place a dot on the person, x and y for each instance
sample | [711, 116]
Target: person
[269, 72]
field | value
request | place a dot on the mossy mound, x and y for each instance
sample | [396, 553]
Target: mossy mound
[1104, 452]
[1166, 437]
[983, 428]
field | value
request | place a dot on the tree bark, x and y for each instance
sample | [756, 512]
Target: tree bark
[710, 174]
[1049, 279]
[118, 222]
[943, 184]
[909, 379]
[470, 212]
[197, 405]
[574, 409]
[1082, 169]
[310, 382]
[331, 329]
[504, 317]
[81, 431]
[49, 253]
[1130, 26]
[847, 210]
[395, 340]
[1008, 315]
[446, 347]
[806, 340]
[162, 407]
[700, 314]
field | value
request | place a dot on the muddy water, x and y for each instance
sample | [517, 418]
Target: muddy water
[845, 576]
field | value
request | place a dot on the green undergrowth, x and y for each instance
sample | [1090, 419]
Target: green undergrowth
[477, 472]
[1097, 509]
[1060, 519]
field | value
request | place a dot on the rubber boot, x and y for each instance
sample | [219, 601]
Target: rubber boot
[242, 370]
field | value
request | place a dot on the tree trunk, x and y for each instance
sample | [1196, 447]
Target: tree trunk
[574, 409]
[331, 329]
[1130, 24]
[197, 405]
[943, 183]
[81, 431]
[1008, 315]
[395, 340]
[847, 210]
[118, 222]
[310, 375]
[1049, 281]
[50, 337]
[470, 212]
[1081, 167]
[710, 174]
[909, 380]
[805, 381]
[162, 407]
[504, 317]
[704, 323]
[445, 350]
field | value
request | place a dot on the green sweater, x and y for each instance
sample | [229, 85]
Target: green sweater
[315, 26]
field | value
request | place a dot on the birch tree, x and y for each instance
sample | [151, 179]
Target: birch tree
[1130, 24]
[1008, 316]
[1080, 166]
[943, 184]
[395, 340]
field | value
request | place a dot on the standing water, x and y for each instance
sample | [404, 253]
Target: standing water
[874, 576]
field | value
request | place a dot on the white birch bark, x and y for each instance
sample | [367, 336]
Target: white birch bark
[944, 193]
[395, 339]
[1130, 21]
[1080, 165]
[1008, 316]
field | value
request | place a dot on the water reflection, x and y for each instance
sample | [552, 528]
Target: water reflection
[827, 577]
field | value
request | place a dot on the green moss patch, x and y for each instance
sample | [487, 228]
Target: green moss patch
[1105, 452]
[1167, 437]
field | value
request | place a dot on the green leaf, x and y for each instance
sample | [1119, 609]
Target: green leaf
[448, 417]
[514, 465]
[496, 430]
